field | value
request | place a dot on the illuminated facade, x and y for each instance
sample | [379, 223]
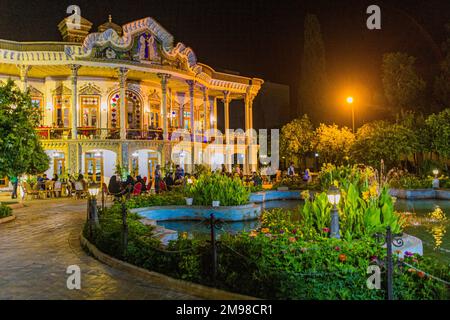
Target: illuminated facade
[124, 95]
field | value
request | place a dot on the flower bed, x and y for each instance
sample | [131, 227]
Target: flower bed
[279, 261]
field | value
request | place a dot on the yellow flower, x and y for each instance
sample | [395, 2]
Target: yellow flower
[366, 195]
[265, 230]
[373, 191]
[253, 233]
[305, 194]
[184, 235]
[336, 183]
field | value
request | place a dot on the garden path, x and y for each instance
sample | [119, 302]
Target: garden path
[37, 248]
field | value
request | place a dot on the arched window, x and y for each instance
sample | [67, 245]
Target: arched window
[133, 110]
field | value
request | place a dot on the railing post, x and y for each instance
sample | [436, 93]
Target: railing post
[124, 229]
[389, 264]
[213, 247]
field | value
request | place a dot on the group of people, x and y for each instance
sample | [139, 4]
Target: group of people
[140, 185]
[306, 174]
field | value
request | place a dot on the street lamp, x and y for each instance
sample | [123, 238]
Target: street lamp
[436, 179]
[93, 190]
[334, 196]
[350, 101]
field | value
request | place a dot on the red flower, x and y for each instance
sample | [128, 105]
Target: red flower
[326, 230]
[337, 248]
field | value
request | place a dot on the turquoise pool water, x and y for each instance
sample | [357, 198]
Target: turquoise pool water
[436, 239]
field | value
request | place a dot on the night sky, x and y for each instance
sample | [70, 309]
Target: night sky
[262, 38]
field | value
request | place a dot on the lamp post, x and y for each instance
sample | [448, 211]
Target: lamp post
[334, 196]
[92, 207]
[436, 179]
[350, 102]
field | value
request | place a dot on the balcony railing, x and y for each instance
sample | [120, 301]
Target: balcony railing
[91, 133]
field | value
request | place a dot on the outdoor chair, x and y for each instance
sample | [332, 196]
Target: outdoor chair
[137, 189]
[49, 186]
[57, 189]
[80, 191]
[28, 191]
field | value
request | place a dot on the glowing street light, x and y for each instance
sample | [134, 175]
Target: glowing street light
[334, 196]
[350, 101]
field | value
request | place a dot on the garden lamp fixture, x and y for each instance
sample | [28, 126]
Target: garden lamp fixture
[93, 190]
[92, 217]
[334, 196]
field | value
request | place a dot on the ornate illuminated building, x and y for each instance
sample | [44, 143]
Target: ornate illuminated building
[117, 96]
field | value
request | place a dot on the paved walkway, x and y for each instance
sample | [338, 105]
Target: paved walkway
[37, 248]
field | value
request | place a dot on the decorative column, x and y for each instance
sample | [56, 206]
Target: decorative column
[205, 108]
[23, 70]
[191, 85]
[249, 122]
[122, 74]
[74, 79]
[164, 80]
[226, 105]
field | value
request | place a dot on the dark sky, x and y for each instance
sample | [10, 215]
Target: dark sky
[261, 38]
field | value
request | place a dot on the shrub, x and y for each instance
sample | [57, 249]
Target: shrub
[5, 211]
[215, 187]
[155, 200]
[400, 179]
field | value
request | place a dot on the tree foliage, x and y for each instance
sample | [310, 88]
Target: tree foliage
[439, 128]
[296, 137]
[20, 149]
[383, 140]
[313, 79]
[333, 143]
[441, 88]
[402, 85]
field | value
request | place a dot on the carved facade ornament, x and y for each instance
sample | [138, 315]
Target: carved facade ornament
[62, 90]
[90, 89]
[35, 92]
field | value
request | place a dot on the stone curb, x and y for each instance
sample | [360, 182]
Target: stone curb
[8, 219]
[198, 290]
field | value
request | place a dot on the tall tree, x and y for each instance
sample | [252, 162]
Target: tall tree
[295, 140]
[313, 79]
[403, 87]
[383, 140]
[333, 143]
[20, 149]
[441, 88]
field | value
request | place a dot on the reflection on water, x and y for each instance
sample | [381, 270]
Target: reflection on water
[432, 229]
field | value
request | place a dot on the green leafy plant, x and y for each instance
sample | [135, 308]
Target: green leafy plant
[216, 187]
[5, 211]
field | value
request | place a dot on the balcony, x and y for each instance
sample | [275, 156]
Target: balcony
[91, 133]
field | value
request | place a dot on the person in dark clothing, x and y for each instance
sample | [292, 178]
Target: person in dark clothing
[115, 188]
[169, 181]
[179, 173]
[158, 178]
[15, 183]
